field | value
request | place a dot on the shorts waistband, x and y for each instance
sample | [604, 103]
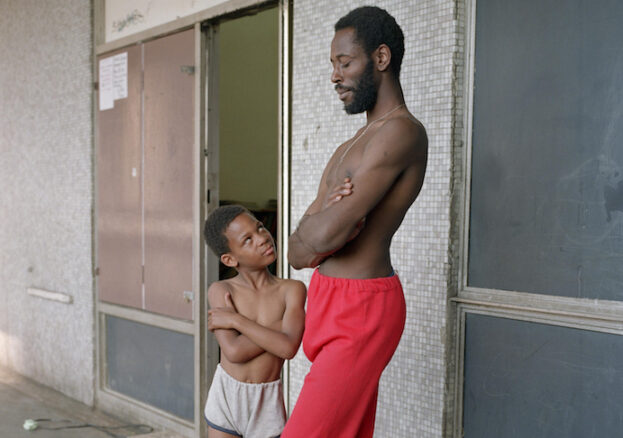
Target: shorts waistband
[379, 284]
[225, 375]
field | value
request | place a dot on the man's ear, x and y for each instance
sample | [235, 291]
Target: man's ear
[382, 57]
[229, 260]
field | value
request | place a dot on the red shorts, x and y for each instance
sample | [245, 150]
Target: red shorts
[352, 329]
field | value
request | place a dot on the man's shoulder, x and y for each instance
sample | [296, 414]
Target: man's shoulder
[401, 139]
[405, 127]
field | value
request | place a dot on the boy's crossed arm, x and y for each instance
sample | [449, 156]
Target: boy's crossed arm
[234, 345]
[242, 339]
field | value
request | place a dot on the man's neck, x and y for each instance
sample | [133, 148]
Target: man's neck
[389, 96]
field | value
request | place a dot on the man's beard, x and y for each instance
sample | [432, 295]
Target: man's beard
[364, 92]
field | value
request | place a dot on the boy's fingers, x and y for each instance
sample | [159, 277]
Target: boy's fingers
[229, 302]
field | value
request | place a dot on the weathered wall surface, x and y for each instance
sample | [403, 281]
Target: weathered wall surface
[412, 396]
[46, 192]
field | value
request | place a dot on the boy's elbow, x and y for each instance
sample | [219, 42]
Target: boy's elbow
[234, 355]
[290, 351]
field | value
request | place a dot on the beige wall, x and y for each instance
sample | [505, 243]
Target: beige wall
[248, 100]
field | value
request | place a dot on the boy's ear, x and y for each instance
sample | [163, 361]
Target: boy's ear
[229, 260]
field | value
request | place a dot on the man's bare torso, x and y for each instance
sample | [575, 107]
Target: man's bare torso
[367, 255]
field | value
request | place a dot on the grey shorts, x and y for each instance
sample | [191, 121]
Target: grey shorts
[249, 410]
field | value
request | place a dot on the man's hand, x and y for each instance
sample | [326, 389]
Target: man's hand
[335, 195]
[222, 317]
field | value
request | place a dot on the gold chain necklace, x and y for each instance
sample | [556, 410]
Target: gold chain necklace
[365, 130]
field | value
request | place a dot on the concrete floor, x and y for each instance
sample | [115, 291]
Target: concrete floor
[21, 398]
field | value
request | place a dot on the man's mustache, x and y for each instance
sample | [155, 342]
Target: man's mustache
[340, 87]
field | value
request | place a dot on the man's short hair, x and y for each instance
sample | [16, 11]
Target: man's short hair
[217, 223]
[373, 27]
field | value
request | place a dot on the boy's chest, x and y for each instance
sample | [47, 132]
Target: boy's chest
[264, 310]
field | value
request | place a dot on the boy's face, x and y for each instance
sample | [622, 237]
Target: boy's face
[250, 244]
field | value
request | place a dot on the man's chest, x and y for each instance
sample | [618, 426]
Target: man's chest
[343, 164]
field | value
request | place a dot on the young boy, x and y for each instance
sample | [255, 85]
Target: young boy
[258, 320]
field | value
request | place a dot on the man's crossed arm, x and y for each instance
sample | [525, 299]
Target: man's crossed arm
[328, 226]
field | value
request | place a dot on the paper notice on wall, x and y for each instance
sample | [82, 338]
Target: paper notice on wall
[113, 80]
[120, 76]
[107, 100]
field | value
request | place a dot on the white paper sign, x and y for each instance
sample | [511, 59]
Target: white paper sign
[107, 100]
[113, 75]
[120, 76]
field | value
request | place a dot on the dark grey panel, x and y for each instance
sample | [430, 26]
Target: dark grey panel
[534, 380]
[151, 364]
[547, 176]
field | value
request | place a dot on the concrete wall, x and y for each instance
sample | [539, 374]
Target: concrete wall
[46, 192]
[412, 399]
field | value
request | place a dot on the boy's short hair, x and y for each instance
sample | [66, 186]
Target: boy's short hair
[217, 223]
[373, 27]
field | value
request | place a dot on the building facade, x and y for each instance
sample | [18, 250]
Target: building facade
[509, 257]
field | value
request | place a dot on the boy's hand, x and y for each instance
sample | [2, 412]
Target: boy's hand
[344, 189]
[222, 317]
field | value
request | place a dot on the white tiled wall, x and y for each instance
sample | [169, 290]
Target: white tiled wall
[412, 399]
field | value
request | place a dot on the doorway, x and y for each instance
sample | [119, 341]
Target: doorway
[247, 130]
[248, 116]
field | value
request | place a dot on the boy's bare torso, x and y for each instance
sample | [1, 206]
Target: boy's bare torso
[265, 307]
[367, 255]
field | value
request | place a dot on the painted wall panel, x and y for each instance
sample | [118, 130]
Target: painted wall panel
[525, 379]
[119, 176]
[547, 177]
[169, 169]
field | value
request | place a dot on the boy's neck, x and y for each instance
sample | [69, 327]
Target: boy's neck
[255, 278]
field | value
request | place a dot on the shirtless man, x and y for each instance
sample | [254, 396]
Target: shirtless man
[356, 308]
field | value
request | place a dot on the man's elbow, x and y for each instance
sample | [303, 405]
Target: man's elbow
[324, 240]
[294, 262]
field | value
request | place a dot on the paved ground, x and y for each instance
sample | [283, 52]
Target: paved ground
[21, 399]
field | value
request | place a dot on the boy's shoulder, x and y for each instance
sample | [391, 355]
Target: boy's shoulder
[288, 284]
[218, 289]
